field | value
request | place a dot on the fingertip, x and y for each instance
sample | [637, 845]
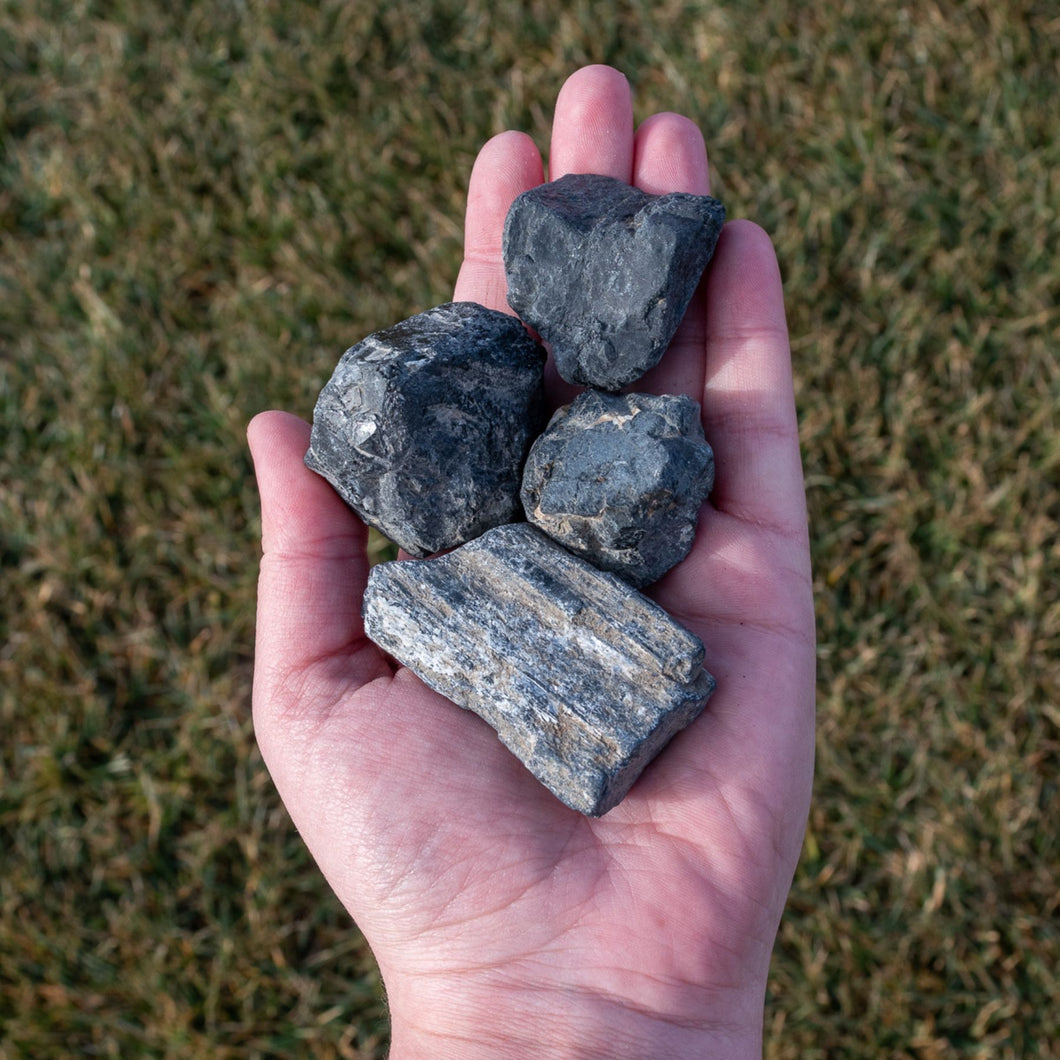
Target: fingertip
[298, 507]
[507, 165]
[744, 283]
[593, 126]
[272, 426]
[278, 442]
[595, 77]
[670, 155]
[512, 143]
[751, 234]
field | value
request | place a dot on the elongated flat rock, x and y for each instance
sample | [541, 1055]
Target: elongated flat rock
[619, 480]
[424, 426]
[604, 272]
[583, 678]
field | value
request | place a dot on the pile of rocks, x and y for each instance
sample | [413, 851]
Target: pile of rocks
[433, 432]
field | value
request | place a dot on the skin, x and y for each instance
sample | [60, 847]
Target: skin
[503, 922]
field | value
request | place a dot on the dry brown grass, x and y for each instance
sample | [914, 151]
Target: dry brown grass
[198, 212]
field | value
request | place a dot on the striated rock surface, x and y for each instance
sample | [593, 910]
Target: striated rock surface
[424, 426]
[619, 479]
[604, 272]
[583, 678]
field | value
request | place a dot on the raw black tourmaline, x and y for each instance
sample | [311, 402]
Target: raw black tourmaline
[604, 272]
[584, 679]
[423, 427]
[619, 479]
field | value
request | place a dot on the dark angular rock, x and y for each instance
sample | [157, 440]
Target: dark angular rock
[604, 272]
[583, 678]
[423, 427]
[619, 480]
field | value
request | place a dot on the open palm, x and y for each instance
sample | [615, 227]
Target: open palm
[504, 922]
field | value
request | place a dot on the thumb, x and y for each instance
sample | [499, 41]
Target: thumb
[314, 569]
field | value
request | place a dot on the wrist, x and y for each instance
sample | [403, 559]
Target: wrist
[494, 1019]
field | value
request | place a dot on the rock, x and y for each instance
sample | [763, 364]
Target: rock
[423, 427]
[619, 480]
[583, 678]
[604, 272]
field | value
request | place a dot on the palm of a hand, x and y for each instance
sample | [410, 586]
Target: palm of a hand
[473, 884]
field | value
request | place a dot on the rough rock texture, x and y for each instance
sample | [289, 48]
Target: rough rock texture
[423, 427]
[584, 679]
[604, 272]
[619, 479]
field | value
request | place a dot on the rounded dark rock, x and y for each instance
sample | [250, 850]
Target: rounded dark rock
[604, 272]
[619, 480]
[424, 426]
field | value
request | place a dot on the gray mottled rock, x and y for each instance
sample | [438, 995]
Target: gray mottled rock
[604, 272]
[619, 479]
[583, 678]
[423, 427]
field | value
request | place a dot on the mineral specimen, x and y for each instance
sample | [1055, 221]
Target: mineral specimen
[604, 272]
[423, 427]
[583, 678]
[619, 479]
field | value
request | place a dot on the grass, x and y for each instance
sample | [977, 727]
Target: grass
[200, 210]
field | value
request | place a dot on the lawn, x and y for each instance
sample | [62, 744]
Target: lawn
[201, 208]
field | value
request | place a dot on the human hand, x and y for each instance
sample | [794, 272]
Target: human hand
[503, 922]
